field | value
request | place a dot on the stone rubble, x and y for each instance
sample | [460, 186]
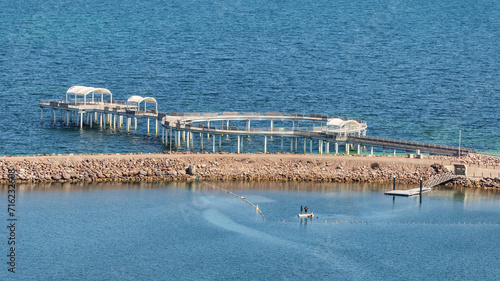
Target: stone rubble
[231, 167]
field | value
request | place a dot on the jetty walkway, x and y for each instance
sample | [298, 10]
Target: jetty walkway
[89, 106]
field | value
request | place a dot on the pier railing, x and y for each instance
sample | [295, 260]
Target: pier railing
[319, 132]
[384, 142]
[266, 115]
[438, 179]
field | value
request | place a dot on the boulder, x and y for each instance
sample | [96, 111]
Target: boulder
[191, 170]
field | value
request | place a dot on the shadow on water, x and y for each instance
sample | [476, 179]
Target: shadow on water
[457, 194]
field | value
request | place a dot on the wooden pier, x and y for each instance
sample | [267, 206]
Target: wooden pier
[82, 107]
[426, 186]
[86, 106]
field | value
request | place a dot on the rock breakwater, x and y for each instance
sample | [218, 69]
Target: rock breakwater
[228, 167]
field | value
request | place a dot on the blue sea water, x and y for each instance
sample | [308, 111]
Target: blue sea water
[172, 231]
[414, 70]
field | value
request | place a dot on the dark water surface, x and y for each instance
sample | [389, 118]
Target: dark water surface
[176, 231]
[414, 70]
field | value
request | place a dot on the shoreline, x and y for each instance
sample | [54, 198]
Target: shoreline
[247, 167]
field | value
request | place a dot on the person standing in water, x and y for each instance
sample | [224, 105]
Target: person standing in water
[305, 209]
[301, 209]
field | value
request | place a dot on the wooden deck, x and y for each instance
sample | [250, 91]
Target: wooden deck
[408, 192]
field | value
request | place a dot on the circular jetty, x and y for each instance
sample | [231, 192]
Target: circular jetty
[86, 106]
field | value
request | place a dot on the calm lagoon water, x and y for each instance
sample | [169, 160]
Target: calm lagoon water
[414, 70]
[187, 231]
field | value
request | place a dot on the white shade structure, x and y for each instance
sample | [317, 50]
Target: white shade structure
[137, 100]
[339, 125]
[337, 122]
[84, 91]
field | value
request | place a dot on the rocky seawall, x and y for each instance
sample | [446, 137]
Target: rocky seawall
[229, 167]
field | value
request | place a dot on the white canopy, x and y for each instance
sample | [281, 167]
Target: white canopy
[335, 122]
[84, 91]
[341, 123]
[136, 100]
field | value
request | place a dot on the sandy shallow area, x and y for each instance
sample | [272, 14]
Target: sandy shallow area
[483, 170]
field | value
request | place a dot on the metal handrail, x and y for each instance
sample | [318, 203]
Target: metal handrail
[409, 143]
[267, 115]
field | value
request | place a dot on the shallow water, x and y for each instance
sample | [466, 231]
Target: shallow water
[150, 231]
[414, 70]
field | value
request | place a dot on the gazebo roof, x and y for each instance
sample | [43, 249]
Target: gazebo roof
[82, 90]
[139, 99]
[340, 123]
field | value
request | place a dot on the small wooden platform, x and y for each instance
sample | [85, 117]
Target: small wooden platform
[426, 187]
[408, 192]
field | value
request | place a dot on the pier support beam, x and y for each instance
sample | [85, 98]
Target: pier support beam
[148, 126]
[170, 141]
[281, 144]
[192, 140]
[156, 126]
[371, 150]
[135, 125]
[336, 148]
[208, 126]
[394, 152]
[220, 142]
[81, 120]
[291, 145]
[265, 144]
[305, 142]
[327, 147]
[128, 124]
[238, 151]
[320, 147]
[347, 146]
[296, 141]
[271, 128]
[311, 146]
[359, 149]
[201, 142]
[213, 144]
